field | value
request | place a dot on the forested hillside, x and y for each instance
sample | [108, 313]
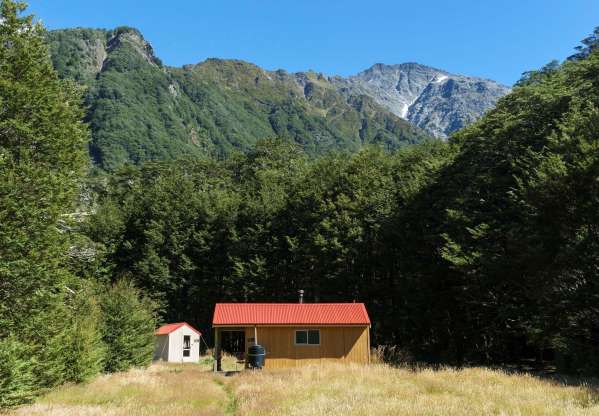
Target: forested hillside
[483, 249]
[141, 110]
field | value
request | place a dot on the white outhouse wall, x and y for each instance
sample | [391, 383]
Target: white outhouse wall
[161, 348]
[175, 345]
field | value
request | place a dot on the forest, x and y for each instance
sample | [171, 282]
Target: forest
[480, 250]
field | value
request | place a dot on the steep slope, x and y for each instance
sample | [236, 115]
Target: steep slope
[434, 100]
[141, 110]
[236, 98]
[133, 112]
[78, 53]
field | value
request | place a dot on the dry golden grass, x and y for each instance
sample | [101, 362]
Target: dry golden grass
[181, 390]
[381, 390]
[316, 390]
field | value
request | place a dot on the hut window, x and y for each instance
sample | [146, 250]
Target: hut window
[186, 345]
[307, 337]
[314, 337]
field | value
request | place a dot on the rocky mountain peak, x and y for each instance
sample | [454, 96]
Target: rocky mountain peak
[433, 99]
[133, 38]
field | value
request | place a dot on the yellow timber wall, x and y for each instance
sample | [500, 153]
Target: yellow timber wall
[337, 344]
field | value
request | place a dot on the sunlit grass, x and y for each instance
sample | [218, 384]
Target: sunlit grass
[182, 389]
[193, 389]
[381, 390]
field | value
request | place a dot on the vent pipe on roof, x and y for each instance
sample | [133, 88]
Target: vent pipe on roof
[301, 296]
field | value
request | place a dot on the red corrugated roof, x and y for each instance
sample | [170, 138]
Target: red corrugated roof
[290, 314]
[168, 328]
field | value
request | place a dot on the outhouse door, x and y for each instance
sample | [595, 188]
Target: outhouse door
[186, 345]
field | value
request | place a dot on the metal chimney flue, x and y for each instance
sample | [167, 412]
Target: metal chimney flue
[301, 296]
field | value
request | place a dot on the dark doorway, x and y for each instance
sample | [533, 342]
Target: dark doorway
[233, 342]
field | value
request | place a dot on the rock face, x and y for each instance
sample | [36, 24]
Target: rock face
[435, 100]
[82, 52]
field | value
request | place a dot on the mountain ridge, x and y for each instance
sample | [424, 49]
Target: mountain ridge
[141, 109]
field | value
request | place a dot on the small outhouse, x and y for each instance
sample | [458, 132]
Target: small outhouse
[177, 343]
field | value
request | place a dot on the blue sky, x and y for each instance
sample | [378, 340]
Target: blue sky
[497, 39]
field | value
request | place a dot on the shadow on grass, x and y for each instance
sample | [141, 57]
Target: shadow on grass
[396, 357]
[549, 372]
[546, 372]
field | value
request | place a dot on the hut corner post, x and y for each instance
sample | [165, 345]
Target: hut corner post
[217, 352]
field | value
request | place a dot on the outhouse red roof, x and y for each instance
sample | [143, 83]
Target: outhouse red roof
[168, 328]
[290, 314]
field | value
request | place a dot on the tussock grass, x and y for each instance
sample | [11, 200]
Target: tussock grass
[332, 389]
[181, 390]
[382, 390]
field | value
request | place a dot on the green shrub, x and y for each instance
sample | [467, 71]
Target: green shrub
[16, 378]
[128, 327]
[70, 347]
[82, 340]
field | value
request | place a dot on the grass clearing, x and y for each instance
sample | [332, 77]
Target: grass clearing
[185, 389]
[382, 390]
[331, 389]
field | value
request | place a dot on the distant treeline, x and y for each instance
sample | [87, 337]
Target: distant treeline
[481, 250]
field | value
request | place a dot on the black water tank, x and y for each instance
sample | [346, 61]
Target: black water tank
[256, 355]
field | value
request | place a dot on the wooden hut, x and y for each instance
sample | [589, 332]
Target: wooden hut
[295, 334]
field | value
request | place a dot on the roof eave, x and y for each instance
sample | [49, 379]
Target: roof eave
[240, 325]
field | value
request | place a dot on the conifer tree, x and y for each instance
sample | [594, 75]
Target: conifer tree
[42, 157]
[128, 327]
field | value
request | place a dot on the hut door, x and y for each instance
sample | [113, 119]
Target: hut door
[186, 345]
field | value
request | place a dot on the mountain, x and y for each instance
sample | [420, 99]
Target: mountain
[140, 109]
[432, 99]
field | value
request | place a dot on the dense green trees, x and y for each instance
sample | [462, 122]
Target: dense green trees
[52, 328]
[480, 250]
[259, 227]
[127, 328]
[42, 157]
[520, 216]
